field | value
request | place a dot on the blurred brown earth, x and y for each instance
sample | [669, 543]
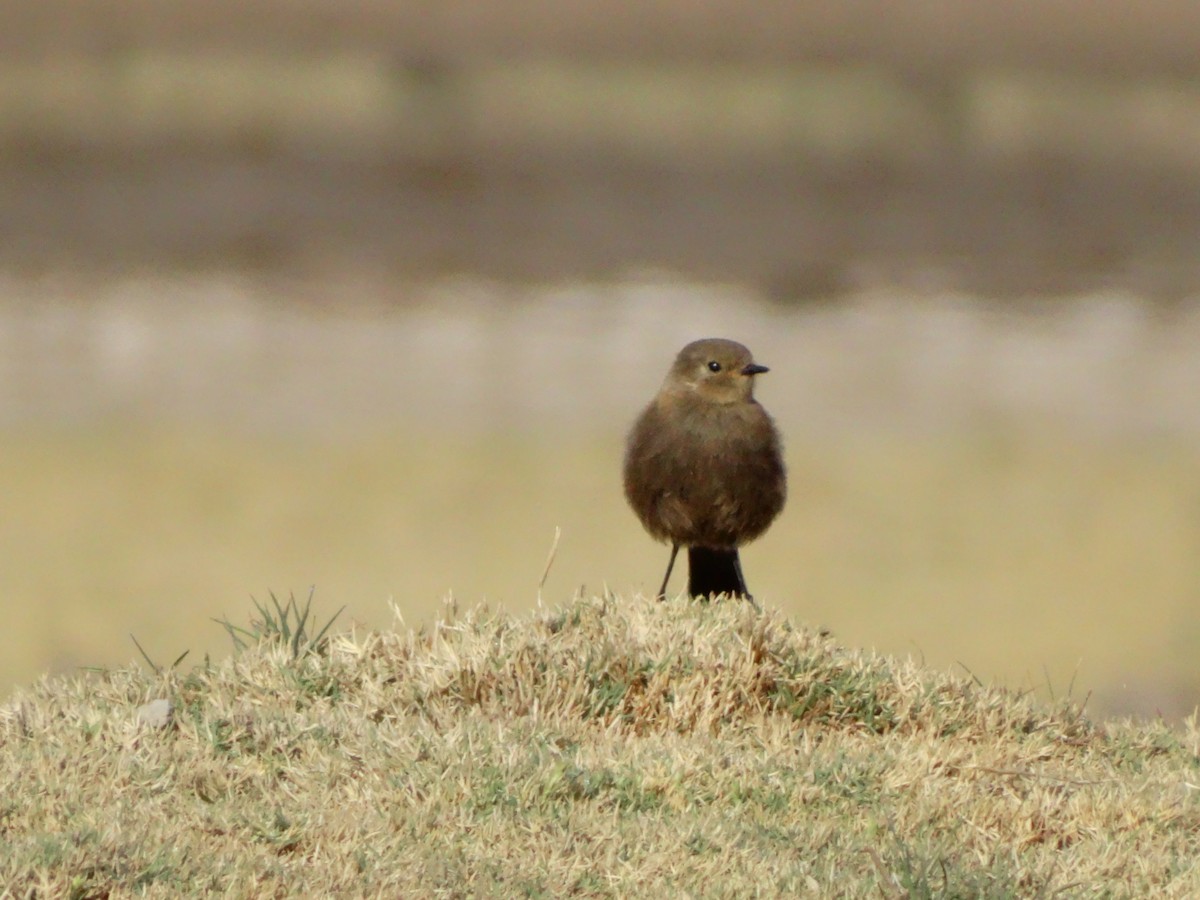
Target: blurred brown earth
[812, 151]
[936, 36]
[795, 231]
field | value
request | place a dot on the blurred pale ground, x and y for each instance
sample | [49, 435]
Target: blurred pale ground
[372, 318]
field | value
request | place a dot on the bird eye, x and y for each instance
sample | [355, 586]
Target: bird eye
[714, 366]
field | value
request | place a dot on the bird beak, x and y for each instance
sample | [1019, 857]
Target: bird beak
[754, 369]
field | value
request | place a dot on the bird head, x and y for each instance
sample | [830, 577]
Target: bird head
[716, 370]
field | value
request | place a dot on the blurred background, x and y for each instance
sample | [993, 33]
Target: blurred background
[360, 297]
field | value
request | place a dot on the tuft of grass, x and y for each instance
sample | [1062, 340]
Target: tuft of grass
[286, 624]
[609, 747]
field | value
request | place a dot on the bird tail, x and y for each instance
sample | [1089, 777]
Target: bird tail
[712, 571]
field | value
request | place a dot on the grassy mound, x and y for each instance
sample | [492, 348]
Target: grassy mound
[605, 748]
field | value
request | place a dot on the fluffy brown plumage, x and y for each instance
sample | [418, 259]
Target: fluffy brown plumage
[703, 464]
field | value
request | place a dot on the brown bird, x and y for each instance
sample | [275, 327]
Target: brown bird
[703, 465]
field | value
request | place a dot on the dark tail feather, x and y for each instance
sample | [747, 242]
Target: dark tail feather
[712, 572]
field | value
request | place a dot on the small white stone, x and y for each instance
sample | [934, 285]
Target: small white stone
[156, 713]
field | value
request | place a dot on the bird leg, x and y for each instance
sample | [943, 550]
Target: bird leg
[662, 591]
[737, 567]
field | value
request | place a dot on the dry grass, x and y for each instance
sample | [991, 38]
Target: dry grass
[610, 747]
